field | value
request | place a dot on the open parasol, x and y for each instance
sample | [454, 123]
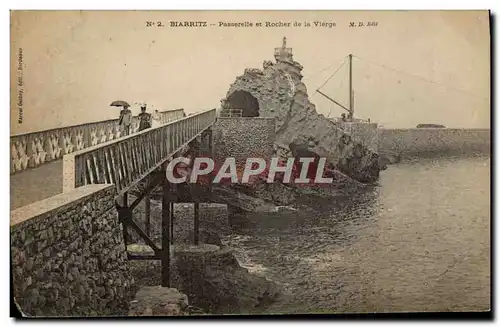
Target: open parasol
[119, 103]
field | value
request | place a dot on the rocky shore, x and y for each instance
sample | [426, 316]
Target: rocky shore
[208, 274]
[159, 301]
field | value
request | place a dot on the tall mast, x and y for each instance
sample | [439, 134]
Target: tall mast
[350, 107]
[351, 104]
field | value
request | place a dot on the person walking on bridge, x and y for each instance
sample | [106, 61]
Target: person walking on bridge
[144, 119]
[125, 120]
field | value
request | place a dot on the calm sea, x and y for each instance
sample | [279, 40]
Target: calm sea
[420, 241]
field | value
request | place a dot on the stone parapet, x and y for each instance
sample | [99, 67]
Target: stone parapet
[68, 255]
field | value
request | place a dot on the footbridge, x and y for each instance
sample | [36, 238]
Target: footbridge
[37, 158]
[91, 191]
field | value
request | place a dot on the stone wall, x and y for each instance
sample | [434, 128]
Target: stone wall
[68, 255]
[243, 138]
[418, 141]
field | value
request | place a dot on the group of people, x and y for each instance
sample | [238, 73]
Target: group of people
[344, 119]
[145, 119]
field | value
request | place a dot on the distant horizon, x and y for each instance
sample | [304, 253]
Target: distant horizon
[380, 126]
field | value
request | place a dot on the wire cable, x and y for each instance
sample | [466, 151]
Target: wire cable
[324, 69]
[419, 77]
[331, 76]
[340, 87]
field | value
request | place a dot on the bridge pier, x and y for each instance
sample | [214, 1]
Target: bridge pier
[147, 214]
[172, 223]
[196, 228]
[196, 223]
[165, 233]
[211, 151]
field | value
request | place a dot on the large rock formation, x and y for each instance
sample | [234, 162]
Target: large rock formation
[278, 91]
[213, 279]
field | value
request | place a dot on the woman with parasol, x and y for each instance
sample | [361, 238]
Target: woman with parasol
[125, 119]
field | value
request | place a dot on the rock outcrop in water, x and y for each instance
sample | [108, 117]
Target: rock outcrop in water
[208, 274]
[214, 280]
[159, 301]
[278, 91]
[260, 196]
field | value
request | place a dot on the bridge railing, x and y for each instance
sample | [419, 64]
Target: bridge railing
[231, 113]
[129, 159]
[34, 149]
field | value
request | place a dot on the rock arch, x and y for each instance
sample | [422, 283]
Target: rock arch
[243, 100]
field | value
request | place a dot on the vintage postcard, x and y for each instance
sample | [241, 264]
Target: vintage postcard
[180, 163]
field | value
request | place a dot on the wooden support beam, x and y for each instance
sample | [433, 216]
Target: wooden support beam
[143, 235]
[141, 177]
[210, 142]
[173, 190]
[147, 213]
[211, 154]
[196, 223]
[165, 235]
[151, 184]
[338, 104]
[172, 223]
[143, 257]
[126, 218]
[195, 196]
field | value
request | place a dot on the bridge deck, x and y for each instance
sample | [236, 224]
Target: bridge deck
[123, 161]
[36, 184]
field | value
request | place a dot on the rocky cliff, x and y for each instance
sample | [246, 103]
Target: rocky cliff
[277, 91]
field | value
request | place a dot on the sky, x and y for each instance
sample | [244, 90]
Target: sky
[413, 67]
